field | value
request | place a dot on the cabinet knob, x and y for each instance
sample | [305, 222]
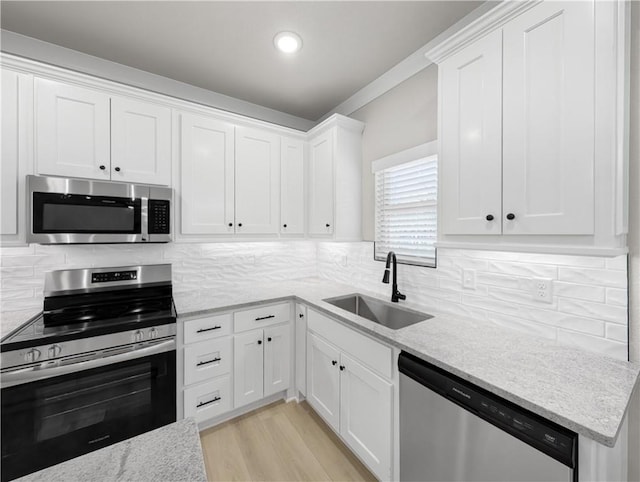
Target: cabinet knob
[102, 167]
[489, 217]
[327, 225]
[230, 225]
[117, 169]
[342, 368]
[239, 225]
[334, 363]
[284, 225]
[259, 342]
[269, 339]
[301, 315]
[511, 216]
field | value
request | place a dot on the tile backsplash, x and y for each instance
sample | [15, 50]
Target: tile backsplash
[588, 305]
[195, 266]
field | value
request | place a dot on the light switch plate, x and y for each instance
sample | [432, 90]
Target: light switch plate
[469, 279]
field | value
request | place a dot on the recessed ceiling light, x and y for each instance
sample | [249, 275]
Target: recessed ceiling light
[288, 42]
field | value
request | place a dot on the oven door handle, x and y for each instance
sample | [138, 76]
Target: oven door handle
[41, 371]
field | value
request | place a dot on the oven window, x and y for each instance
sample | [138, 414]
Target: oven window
[72, 213]
[75, 404]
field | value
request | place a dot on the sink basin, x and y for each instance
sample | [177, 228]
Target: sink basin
[384, 313]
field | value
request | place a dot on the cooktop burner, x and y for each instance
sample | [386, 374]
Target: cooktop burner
[92, 302]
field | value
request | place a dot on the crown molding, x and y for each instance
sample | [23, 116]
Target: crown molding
[490, 21]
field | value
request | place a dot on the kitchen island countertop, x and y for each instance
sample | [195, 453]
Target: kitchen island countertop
[170, 453]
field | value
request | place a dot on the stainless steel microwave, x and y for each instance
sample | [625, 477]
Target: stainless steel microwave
[80, 211]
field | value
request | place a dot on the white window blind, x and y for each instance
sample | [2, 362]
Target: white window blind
[406, 211]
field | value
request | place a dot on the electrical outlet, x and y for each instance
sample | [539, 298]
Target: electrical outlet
[469, 279]
[542, 290]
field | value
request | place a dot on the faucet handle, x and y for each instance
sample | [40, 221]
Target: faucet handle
[400, 296]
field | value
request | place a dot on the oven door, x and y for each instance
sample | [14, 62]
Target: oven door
[50, 420]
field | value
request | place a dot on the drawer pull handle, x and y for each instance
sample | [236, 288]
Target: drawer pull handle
[199, 364]
[202, 330]
[202, 404]
[265, 317]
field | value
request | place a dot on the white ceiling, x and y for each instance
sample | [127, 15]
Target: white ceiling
[227, 47]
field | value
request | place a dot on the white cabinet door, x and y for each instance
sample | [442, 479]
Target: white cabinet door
[206, 175]
[366, 415]
[300, 322]
[323, 379]
[471, 138]
[257, 180]
[277, 359]
[17, 99]
[248, 367]
[140, 142]
[72, 131]
[549, 120]
[292, 187]
[321, 184]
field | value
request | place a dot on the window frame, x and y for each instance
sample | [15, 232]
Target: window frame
[423, 151]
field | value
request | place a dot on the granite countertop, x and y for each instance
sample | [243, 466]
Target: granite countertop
[170, 453]
[580, 390]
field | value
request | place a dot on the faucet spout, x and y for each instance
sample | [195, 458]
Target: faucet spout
[395, 294]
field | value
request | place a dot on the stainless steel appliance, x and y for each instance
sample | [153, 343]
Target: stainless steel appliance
[451, 430]
[96, 367]
[74, 211]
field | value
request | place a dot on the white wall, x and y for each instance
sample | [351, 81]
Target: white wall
[403, 117]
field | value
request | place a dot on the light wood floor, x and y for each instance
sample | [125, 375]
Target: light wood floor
[282, 441]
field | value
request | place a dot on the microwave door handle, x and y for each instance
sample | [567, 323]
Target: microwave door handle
[144, 215]
[19, 376]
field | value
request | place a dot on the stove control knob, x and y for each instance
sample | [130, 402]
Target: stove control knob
[54, 351]
[32, 355]
[138, 336]
[153, 334]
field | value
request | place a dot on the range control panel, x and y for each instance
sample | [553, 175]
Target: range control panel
[114, 276]
[159, 222]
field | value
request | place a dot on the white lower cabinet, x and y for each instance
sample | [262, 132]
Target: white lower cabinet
[323, 380]
[208, 400]
[262, 363]
[300, 321]
[350, 396]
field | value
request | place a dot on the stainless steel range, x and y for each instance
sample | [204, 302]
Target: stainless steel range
[96, 367]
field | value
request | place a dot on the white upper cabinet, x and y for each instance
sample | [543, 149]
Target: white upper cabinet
[206, 175]
[82, 132]
[292, 193]
[17, 102]
[71, 130]
[321, 184]
[335, 179]
[140, 142]
[257, 181]
[549, 59]
[471, 138]
[532, 127]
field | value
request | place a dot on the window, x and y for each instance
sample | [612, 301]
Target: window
[406, 186]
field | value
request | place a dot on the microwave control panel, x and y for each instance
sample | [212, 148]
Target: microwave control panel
[159, 222]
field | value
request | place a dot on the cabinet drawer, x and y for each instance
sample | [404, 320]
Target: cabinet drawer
[206, 360]
[208, 400]
[261, 317]
[207, 328]
[372, 353]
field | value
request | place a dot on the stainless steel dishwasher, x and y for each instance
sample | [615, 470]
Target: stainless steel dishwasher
[452, 430]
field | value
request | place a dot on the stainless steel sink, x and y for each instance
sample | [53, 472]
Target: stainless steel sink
[382, 312]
